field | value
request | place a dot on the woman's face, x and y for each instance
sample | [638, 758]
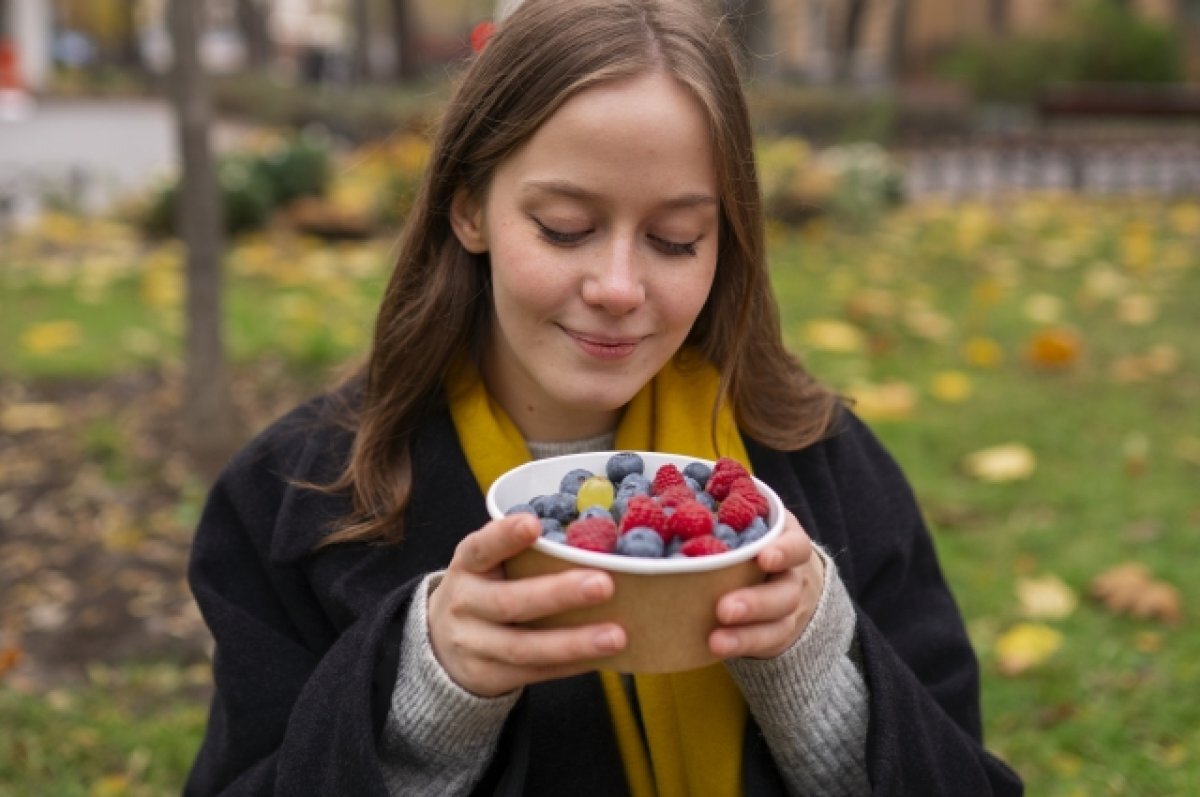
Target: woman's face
[602, 236]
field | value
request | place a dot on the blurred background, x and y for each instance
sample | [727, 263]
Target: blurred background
[984, 228]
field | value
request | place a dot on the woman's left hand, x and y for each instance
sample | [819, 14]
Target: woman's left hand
[765, 620]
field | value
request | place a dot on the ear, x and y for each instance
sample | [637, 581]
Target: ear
[466, 219]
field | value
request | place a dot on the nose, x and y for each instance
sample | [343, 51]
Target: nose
[615, 283]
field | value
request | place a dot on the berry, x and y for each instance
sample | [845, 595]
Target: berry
[674, 496]
[707, 501]
[667, 476]
[560, 506]
[640, 541]
[673, 547]
[692, 484]
[518, 508]
[755, 531]
[555, 536]
[593, 534]
[736, 512]
[634, 484]
[621, 465]
[698, 471]
[550, 525]
[745, 488]
[596, 491]
[618, 508]
[727, 535]
[724, 474]
[571, 482]
[690, 520]
[596, 511]
[703, 546]
[642, 510]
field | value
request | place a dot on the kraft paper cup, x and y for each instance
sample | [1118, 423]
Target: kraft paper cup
[666, 606]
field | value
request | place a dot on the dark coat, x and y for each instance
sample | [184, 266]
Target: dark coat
[307, 643]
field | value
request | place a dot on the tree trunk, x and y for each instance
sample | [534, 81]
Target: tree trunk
[130, 48]
[360, 61]
[751, 21]
[252, 22]
[209, 425]
[898, 40]
[851, 34]
[998, 16]
[404, 38]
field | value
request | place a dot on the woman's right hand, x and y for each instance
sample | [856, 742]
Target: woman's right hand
[473, 614]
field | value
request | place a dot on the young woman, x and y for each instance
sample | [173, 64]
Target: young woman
[583, 270]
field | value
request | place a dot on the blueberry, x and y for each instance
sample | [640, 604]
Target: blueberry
[640, 541]
[727, 535]
[707, 501]
[539, 504]
[698, 471]
[692, 484]
[621, 465]
[618, 509]
[556, 536]
[673, 546]
[596, 511]
[570, 483]
[517, 508]
[560, 506]
[551, 526]
[755, 531]
[634, 484]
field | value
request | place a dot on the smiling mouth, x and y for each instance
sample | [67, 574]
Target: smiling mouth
[604, 348]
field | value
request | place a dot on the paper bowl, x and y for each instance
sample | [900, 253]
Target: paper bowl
[666, 606]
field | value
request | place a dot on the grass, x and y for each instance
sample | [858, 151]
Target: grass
[928, 319]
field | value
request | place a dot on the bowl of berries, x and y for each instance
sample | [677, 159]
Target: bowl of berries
[674, 532]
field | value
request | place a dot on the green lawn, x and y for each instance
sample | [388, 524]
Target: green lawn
[926, 319]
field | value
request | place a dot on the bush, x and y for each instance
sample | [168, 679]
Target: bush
[1101, 41]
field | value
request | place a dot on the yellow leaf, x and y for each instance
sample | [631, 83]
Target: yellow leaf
[952, 387]
[1025, 646]
[1137, 309]
[32, 417]
[1003, 463]
[51, 336]
[889, 401]
[1054, 348]
[1043, 308]
[983, 352]
[115, 785]
[830, 334]
[1046, 598]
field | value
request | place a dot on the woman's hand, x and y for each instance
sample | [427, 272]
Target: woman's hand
[765, 620]
[473, 610]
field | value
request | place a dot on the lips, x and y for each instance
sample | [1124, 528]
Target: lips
[604, 347]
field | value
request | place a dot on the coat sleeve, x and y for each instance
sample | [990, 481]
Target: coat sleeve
[924, 732]
[291, 712]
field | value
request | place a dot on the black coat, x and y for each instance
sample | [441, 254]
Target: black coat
[307, 643]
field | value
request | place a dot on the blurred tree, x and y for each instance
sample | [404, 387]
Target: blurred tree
[209, 423]
[897, 52]
[997, 15]
[129, 48]
[360, 56]
[252, 21]
[752, 28]
[404, 39]
[851, 35]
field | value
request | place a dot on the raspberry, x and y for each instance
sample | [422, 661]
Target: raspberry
[674, 496]
[667, 476]
[642, 510]
[703, 546]
[745, 488]
[736, 512]
[690, 520]
[724, 474]
[593, 534]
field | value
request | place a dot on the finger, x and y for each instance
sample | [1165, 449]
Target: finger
[766, 602]
[791, 549]
[760, 640]
[539, 649]
[528, 599]
[485, 550]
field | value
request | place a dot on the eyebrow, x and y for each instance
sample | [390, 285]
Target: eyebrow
[570, 190]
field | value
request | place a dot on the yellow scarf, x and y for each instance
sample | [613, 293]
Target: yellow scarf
[693, 720]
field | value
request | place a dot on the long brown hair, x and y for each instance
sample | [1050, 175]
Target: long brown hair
[438, 301]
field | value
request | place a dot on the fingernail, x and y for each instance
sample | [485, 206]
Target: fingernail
[726, 645]
[594, 587]
[772, 559]
[735, 611]
[607, 639]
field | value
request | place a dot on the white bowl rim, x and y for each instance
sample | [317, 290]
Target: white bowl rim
[634, 564]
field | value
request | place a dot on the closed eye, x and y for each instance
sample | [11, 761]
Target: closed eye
[674, 248]
[560, 238]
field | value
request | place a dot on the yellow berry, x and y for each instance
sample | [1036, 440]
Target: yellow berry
[596, 491]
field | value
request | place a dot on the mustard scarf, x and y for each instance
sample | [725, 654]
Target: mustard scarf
[693, 720]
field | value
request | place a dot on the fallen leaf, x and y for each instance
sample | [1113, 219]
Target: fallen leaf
[1128, 588]
[51, 336]
[1044, 308]
[1003, 463]
[888, 401]
[1137, 309]
[1136, 452]
[1188, 449]
[830, 334]
[983, 352]
[1054, 348]
[1025, 646]
[1045, 598]
[40, 417]
[951, 387]
[10, 657]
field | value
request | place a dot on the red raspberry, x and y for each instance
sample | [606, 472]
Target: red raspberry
[667, 476]
[745, 488]
[725, 472]
[703, 546]
[674, 496]
[593, 534]
[736, 512]
[642, 510]
[691, 519]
